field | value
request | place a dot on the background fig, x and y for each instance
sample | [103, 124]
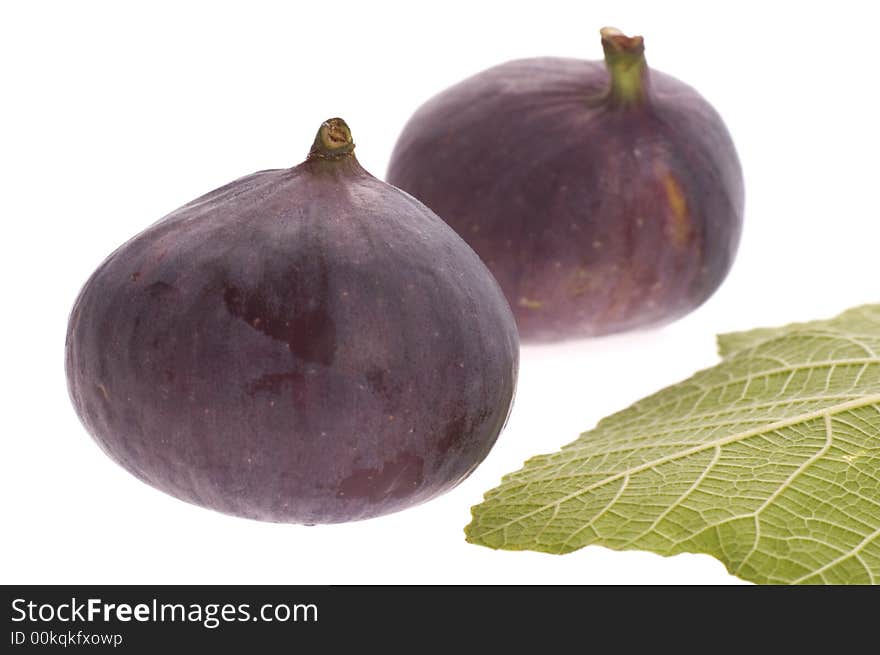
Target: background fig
[603, 197]
[305, 345]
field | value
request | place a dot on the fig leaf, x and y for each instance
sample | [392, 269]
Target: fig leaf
[769, 461]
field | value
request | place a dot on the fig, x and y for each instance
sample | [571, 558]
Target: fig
[304, 345]
[603, 196]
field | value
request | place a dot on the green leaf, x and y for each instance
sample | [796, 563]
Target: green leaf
[863, 319]
[770, 462]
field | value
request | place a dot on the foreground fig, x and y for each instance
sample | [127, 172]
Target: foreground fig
[306, 345]
[604, 197]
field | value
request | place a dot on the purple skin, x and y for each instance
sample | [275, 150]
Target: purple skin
[307, 345]
[602, 197]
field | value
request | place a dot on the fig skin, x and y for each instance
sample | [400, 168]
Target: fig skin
[603, 196]
[307, 345]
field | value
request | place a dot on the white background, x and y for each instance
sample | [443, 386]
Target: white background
[112, 115]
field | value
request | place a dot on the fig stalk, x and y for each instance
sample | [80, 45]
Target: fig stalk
[627, 68]
[332, 141]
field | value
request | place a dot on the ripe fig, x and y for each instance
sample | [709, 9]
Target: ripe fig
[307, 345]
[602, 197]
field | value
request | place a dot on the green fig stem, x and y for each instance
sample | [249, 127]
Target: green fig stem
[625, 60]
[333, 141]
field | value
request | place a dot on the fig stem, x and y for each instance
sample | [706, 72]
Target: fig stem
[627, 68]
[333, 140]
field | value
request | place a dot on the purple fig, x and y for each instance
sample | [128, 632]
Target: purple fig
[604, 197]
[307, 345]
